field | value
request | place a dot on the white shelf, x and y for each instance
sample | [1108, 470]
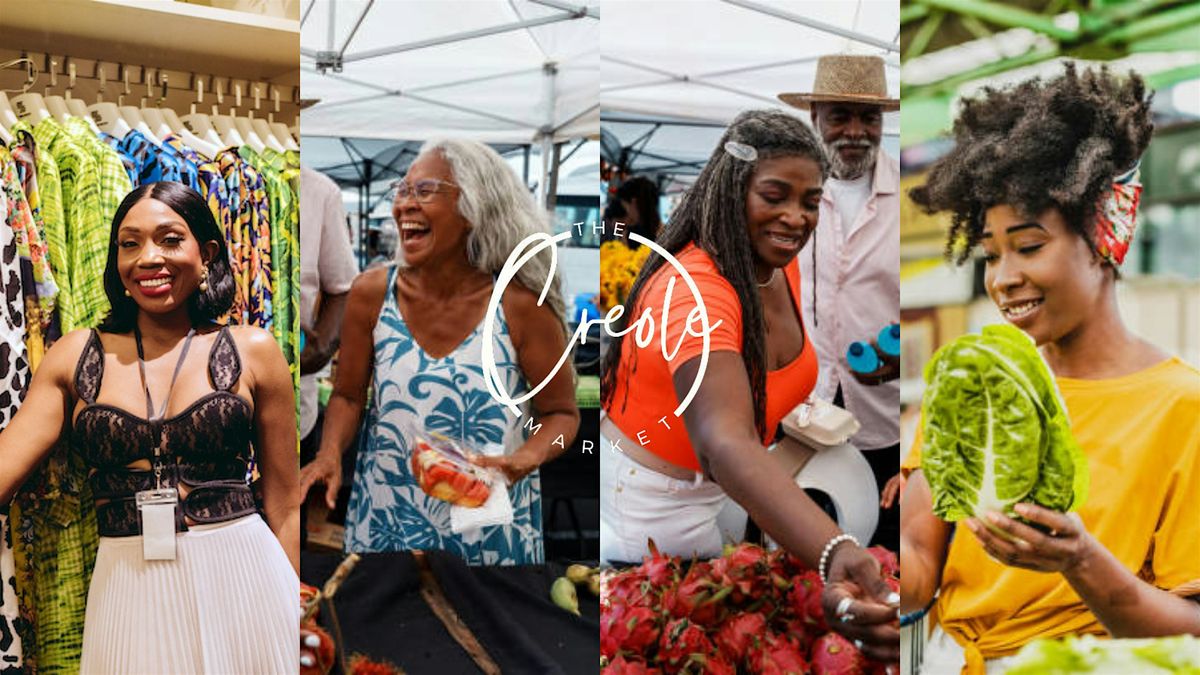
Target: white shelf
[159, 33]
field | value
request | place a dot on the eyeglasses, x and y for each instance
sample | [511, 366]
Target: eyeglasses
[423, 190]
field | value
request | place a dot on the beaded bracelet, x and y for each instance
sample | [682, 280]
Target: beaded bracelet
[832, 543]
[912, 617]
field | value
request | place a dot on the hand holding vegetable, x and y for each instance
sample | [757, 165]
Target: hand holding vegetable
[1065, 543]
[995, 429]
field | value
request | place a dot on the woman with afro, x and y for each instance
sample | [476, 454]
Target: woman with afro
[1044, 179]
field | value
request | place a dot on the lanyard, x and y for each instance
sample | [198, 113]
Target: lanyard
[156, 420]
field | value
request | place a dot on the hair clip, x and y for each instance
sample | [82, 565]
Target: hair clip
[744, 152]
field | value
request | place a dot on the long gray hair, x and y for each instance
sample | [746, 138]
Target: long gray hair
[501, 212]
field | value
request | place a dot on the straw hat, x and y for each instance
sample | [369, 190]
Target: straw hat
[846, 78]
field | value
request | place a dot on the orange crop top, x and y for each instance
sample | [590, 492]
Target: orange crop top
[652, 396]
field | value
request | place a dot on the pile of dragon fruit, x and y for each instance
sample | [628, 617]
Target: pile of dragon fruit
[749, 611]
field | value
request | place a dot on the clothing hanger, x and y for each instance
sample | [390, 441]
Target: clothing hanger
[264, 132]
[108, 117]
[57, 106]
[79, 109]
[7, 119]
[233, 127]
[271, 128]
[76, 107]
[230, 136]
[259, 125]
[285, 136]
[202, 126]
[155, 121]
[198, 124]
[249, 134]
[202, 147]
[130, 114]
[5, 136]
[278, 130]
[31, 107]
[149, 112]
[8, 116]
[105, 115]
[134, 117]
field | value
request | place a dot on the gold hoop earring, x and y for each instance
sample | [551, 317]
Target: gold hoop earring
[204, 280]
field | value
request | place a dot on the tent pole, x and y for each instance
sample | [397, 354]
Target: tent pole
[543, 184]
[362, 235]
[546, 133]
[526, 170]
[825, 27]
[457, 37]
[362, 15]
[332, 25]
[365, 216]
[552, 187]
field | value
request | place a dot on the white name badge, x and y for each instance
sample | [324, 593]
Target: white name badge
[157, 511]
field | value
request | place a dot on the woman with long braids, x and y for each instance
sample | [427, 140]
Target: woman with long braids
[737, 233]
[1044, 178]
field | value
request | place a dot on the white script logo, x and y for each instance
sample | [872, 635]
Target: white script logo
[643, 327]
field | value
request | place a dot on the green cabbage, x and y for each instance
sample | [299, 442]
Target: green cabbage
[1088, 654]
[995, 429]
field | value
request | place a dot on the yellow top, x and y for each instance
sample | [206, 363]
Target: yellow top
[1141, 435]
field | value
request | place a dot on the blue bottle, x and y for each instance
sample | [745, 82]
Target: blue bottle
[862, 357]
[889, 340]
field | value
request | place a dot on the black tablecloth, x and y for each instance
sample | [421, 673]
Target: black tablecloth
[508, 609]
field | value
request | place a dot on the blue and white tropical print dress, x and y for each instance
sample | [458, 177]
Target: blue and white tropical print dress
[388, 510]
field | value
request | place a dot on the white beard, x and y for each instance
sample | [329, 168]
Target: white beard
[844, 170]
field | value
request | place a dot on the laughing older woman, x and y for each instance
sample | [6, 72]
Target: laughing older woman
[415, 331]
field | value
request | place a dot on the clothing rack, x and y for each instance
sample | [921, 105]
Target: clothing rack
[186, 92]
[151, 65]
[171, 54]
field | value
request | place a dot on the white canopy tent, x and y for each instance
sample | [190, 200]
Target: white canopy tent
[520, 75]
[519, 71]
[497, 71]
[675, 74]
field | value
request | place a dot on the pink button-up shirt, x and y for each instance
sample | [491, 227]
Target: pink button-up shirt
[852, 292]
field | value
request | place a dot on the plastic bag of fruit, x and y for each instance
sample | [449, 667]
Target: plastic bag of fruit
[443, 469]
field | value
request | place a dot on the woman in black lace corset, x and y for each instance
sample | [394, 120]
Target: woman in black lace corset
[167, 408]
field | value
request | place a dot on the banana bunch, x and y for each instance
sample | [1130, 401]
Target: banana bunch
[563, 593]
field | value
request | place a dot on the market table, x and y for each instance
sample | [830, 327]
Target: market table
[508, 609]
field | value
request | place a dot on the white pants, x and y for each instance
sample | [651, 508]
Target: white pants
[684, 518]
[944, 656]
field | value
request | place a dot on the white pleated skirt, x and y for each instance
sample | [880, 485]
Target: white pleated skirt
[229, 603]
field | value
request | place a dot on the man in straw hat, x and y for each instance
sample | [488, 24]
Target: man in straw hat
[851, 266]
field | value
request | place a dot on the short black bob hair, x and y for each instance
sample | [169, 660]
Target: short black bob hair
[203, 307]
